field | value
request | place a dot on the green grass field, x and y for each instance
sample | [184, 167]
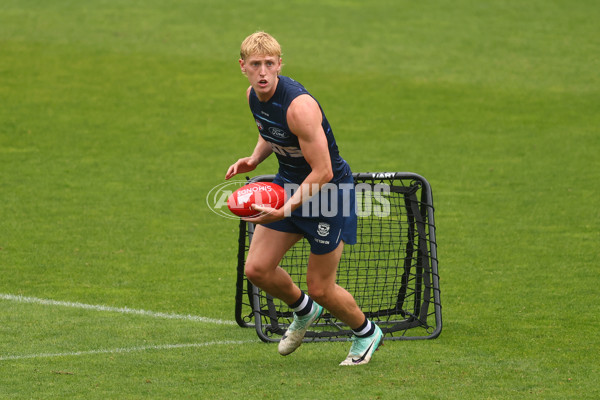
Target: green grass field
[118, 117]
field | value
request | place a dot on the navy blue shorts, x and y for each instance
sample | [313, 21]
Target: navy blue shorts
[326, 218]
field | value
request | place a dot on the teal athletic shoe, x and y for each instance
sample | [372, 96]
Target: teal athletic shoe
[363, 348]
[292, 338]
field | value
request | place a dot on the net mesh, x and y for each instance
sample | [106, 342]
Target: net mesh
[391, 271]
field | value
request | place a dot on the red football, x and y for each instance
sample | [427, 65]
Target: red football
[260, 193]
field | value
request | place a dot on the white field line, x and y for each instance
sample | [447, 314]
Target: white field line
[122, 310]
[124, 350]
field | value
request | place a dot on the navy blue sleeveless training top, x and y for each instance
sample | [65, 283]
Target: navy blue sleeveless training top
[272, 125]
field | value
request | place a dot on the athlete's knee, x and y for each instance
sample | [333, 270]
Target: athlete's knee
[319, 292]
[254, 272]
[258, 271]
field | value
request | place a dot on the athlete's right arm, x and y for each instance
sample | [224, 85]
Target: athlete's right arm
[247, 164]
[261, 151]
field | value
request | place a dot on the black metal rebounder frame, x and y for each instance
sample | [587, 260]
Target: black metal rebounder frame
[392, 271]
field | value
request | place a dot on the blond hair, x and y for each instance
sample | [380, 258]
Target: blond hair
[260, 44]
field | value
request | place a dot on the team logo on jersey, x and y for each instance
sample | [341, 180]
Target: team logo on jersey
[277, 132]
[323, 229]
[260, 127]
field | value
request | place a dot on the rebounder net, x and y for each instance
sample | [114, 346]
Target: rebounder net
[391, 271]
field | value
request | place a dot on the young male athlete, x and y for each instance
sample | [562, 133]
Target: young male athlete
[292, 125]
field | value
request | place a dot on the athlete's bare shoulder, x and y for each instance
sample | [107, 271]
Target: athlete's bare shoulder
[303, 106]
[304, 116]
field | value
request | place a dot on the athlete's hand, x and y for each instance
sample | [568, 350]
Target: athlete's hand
[241, 166]
[267, 215]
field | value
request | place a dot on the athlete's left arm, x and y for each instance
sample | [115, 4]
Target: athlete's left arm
[304, 119]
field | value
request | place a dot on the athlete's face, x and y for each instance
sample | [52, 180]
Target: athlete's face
[262, 73]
